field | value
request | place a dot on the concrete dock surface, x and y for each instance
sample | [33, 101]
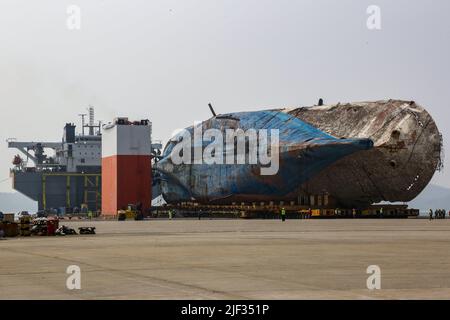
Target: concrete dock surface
[233, 259]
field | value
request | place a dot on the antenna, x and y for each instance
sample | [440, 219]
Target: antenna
[82, 115]
[212, 109]
[91, 120]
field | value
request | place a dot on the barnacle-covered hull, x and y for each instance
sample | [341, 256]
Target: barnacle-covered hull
[406, 154]
[352, 155]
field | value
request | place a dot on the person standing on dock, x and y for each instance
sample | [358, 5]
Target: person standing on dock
[283, 214]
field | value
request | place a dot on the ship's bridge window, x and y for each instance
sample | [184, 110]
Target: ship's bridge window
[227, 117]
[393, 163]
[225, 122]
[395, 134]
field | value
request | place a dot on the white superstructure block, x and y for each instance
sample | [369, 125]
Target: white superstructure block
[126, 140]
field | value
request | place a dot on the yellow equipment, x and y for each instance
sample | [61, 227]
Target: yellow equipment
[130, 214]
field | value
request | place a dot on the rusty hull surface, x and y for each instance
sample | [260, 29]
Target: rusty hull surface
[406, 153]
[304, 151]
[356, 153]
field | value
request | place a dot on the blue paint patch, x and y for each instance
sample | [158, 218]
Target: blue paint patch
[304, 152]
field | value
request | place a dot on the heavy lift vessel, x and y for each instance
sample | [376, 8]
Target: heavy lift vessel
[68, 180]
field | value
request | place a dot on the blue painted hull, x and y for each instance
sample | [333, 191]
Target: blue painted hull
[304, 152]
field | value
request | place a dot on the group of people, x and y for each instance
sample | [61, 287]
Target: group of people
[438, 214]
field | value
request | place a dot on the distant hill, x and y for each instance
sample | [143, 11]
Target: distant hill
[15, 202]
[433, 197]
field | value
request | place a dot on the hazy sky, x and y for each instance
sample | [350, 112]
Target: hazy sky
[165, 60]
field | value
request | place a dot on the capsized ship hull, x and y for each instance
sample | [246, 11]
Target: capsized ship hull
[353, 154]
[304, 151]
